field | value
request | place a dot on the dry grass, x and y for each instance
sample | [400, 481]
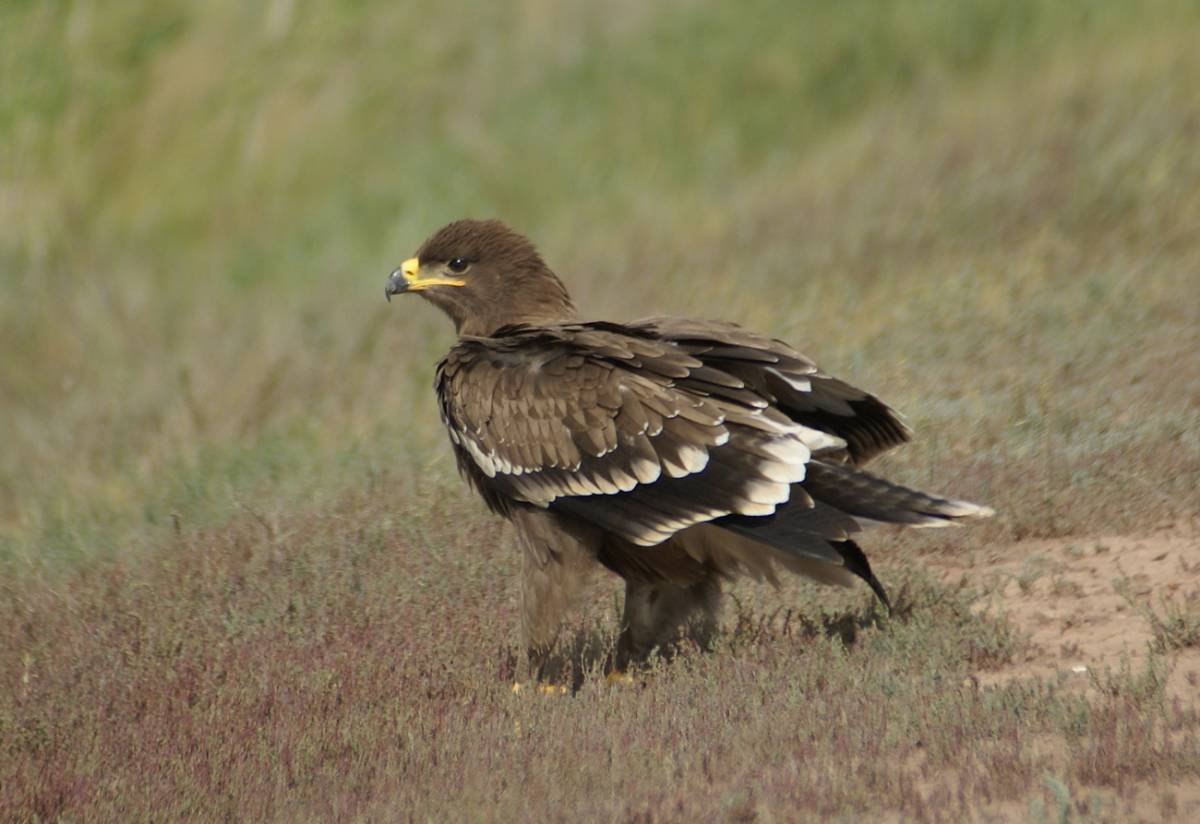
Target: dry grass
[1178, 625]
[348, 671]
[239, 576]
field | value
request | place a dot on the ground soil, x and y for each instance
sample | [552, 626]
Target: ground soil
[1081, 602]
[1082, 606]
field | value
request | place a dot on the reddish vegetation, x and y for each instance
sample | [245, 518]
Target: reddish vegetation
[344, 671]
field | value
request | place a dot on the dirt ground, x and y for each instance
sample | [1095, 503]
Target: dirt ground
[1082, 602]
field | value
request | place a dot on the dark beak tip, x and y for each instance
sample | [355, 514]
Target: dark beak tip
[395, 285]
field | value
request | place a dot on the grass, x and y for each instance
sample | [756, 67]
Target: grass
[239, 576]
[350, 674]
[1177, 627]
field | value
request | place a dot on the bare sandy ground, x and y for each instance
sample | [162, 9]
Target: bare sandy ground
[1082, 601]
[1082, 604]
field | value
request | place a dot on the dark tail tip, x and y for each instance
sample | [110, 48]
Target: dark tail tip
[856, 561]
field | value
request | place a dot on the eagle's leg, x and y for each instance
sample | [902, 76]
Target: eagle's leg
[661, 615]
[547, 587]
[556, 557]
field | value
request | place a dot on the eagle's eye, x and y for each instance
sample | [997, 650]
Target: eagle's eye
[458, 265]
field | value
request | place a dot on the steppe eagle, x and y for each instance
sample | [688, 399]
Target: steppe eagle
[674, 452]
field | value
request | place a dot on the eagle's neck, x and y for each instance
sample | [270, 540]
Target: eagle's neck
[535, 302]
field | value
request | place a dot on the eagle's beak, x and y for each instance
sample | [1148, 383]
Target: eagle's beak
[408, 279]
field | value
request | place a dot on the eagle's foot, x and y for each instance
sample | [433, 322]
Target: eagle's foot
[618, 678]
[540, 687]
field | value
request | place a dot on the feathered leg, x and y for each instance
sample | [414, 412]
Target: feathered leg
[659, 615]
[556, 556]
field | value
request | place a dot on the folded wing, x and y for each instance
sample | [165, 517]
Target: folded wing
[631, 433]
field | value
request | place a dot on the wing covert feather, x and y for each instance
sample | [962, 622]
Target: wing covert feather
[783, 377]
[613, 427]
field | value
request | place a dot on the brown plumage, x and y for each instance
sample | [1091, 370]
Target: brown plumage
[674, 452]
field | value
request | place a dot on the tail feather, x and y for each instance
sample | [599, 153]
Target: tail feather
[855, 560]
[864, 495]
[816, 528]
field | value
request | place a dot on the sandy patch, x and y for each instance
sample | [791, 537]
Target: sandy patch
[1082, 601]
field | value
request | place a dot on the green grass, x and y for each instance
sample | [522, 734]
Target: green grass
[1177, 627]
[225, 498]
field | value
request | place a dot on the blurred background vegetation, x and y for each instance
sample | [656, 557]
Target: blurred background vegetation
[238, 575]
[986, 211]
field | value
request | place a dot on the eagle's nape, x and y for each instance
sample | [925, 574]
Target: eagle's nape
[675, 452]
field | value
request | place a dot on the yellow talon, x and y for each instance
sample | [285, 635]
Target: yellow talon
[543, 687]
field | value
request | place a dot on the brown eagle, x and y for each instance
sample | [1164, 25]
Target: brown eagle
[674, 452]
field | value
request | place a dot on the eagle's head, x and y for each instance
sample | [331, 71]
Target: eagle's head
[484, 276]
